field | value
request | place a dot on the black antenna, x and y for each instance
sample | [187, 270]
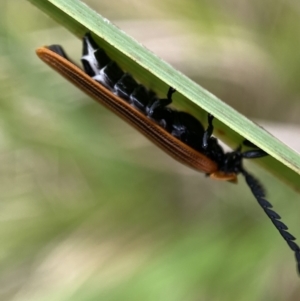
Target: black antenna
[259, 194]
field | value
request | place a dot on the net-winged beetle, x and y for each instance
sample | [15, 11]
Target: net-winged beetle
[178, 133]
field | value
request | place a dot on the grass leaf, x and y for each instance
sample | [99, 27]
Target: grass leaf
[231, 127]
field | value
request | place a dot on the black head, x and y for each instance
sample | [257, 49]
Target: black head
[232, 162]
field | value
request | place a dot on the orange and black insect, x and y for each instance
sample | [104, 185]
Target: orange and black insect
[178, 133]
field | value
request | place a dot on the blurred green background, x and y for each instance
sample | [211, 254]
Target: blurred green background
[90, 210]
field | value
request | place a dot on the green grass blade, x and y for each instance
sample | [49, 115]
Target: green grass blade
[231, 126]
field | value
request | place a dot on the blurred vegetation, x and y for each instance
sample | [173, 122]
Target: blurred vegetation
[90, 210]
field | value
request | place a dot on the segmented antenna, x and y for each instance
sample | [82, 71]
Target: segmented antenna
[259, 194]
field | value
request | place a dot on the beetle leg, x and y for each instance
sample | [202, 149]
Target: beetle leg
[207, 134]
[160, 103]
[171, 91]
[60, 51]
[246, 142]
[252, 154]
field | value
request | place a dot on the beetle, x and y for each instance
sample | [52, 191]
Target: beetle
[177, 133]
